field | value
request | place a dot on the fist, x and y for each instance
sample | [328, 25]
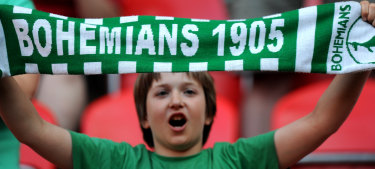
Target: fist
[368, 12]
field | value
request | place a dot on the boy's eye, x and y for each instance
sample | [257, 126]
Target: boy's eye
[161, 93]
[189, 92]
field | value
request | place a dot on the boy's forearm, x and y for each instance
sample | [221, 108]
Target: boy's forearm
[339, 99]
[331, 111]
[17, 111]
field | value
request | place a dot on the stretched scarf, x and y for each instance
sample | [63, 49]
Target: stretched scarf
[330, 38]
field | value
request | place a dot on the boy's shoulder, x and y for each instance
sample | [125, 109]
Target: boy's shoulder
[252, 152]
[262, 140]
[91, 152]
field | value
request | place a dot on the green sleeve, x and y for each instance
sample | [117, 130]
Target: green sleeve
[254, 152]
[23, 3]
[91, 152]
[9, 149]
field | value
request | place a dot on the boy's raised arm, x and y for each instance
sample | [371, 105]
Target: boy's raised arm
[18, 113]
[303, 136]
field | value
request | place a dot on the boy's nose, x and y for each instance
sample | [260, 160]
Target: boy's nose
[176, 101]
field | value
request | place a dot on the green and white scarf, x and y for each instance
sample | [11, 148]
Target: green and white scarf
[330, 38]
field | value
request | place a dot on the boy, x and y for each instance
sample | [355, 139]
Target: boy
[176, 109]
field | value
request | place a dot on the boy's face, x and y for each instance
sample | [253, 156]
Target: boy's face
[176, 109]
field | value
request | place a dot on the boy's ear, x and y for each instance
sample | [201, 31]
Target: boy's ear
[145, 124]
[208, 120]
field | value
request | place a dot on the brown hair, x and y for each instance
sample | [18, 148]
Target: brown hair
[143, 85]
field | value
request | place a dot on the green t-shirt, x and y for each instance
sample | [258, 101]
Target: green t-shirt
[250, 153]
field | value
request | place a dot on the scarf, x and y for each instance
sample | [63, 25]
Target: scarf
[329, 38]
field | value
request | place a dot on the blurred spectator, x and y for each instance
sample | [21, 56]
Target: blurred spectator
[66, 96]
[62, 7]
[98, 8]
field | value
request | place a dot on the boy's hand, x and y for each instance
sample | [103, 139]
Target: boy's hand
[368, 12]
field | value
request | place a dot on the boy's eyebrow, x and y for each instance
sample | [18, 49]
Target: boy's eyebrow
[188, 83]
[167, 85]
[161, 85]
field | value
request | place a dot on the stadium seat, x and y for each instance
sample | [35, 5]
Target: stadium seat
[352, 146]
[226, 123]
[307, 3]
[227, 84]
[208, 9]
[114, 117]
[28, 157]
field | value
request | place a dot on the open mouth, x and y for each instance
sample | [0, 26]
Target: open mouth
[177, 120]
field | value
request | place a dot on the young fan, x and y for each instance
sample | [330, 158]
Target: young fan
[176, 111]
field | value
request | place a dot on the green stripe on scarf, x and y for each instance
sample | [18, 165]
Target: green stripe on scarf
[320, 54]
[329, 38]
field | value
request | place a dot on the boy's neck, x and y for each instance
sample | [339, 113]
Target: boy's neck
[167, 152]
